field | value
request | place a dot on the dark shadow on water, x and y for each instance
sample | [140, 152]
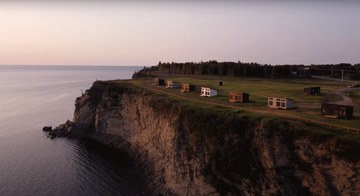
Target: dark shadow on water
[113, 171]
[108, 153]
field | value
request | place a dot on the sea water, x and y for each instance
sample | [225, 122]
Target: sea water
[32, 164]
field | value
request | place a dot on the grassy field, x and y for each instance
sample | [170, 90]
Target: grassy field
[355, 95]
[260, 89]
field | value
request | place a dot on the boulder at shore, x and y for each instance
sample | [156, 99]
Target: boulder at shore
[62, 130]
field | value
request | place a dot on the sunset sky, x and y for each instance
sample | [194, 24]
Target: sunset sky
[146, 32]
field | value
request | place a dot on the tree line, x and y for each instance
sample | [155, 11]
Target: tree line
[240, 69]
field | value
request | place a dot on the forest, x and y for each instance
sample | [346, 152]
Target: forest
[240, 69]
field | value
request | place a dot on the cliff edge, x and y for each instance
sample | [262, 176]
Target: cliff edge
[195, 149]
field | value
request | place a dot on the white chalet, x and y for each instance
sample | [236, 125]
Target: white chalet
[280, 103]
[208, 92]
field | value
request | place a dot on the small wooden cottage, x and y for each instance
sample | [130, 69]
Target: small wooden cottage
[280, 103]
[238, 97]
[159, 82]
[332, 110]
[208, 92]
[172, 84]
[312, 91]
[187, 88]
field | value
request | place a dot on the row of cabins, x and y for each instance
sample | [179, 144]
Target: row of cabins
[233, 96]
[204, 92]
[329, 110]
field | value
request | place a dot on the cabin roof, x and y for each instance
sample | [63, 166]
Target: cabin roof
[311, 87]
[335, 104]
[281, 98]
[187, 84]
[237, 93]
[209, 88]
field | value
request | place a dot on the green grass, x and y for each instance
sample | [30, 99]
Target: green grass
[260, 89]
[355, 95]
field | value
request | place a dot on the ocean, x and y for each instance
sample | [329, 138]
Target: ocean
[32, 164]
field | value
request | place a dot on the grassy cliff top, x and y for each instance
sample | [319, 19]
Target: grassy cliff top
[307, 107]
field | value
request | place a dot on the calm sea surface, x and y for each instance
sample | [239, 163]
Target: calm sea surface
[31, 163]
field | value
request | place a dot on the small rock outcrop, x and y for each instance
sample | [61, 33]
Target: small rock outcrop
[62, 130]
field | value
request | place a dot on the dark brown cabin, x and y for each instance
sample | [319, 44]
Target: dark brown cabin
[312, 91]
[159, 82]
[238, 97]
[332, 110]
[187, 88]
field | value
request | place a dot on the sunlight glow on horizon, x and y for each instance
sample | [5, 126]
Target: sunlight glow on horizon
[144, 33]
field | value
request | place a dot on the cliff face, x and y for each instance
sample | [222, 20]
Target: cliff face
[196, 150]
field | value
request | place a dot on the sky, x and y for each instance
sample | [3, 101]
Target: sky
[146, 32]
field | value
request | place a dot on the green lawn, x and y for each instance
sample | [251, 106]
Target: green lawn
[355, 95]
[260, 89]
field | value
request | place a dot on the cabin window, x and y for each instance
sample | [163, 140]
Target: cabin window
[270, 102]
[278, 104]
[282, 104]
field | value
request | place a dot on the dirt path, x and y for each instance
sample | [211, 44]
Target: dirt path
[346, 100]
[259, 111]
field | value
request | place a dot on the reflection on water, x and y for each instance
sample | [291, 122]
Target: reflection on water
[31, 163]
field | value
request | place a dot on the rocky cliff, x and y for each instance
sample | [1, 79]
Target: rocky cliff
[200, 150]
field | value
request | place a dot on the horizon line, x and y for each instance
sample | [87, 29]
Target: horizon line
[72, 65]
[196, 62]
